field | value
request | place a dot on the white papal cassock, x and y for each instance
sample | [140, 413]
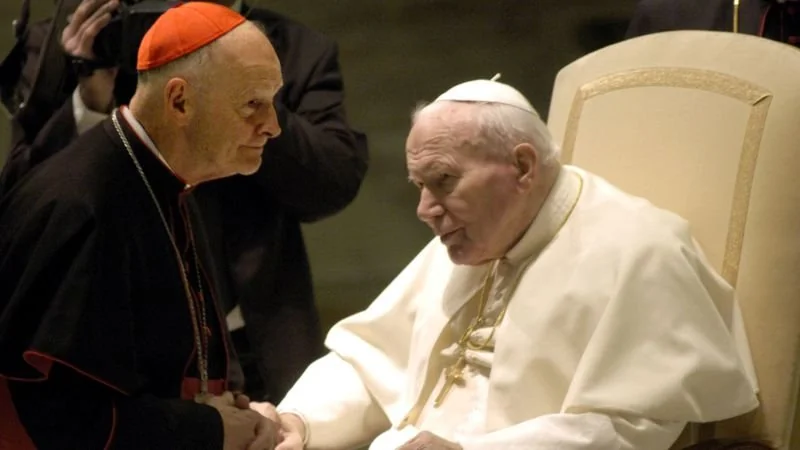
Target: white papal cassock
[616, 333]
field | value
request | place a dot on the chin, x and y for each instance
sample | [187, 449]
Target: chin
[468, 254]
[249, 169]
[462, 256]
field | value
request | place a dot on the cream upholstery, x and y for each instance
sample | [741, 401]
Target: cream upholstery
[708, 125]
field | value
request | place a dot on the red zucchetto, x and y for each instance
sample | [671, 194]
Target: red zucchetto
[184, 29]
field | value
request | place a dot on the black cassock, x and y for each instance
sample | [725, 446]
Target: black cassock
[96, 338]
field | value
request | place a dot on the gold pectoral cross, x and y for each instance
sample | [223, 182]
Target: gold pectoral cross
[452, 375]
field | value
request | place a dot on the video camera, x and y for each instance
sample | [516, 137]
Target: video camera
[117, 44]
[54, 74]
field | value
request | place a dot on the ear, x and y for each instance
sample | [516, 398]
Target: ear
[177, 100]
[526, 160]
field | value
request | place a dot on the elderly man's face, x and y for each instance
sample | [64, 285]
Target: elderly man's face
[238, 116]
[469, 200]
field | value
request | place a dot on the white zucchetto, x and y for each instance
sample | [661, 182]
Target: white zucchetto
[489, 91]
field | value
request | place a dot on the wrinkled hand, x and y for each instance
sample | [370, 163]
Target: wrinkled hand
[426, 440]
[292, 432]
[245, 429]
[241, 401]
[97, 90]
[266, 409]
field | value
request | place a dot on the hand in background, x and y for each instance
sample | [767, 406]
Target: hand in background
[97, 90]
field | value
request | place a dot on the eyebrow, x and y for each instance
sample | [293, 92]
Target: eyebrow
[434, 167]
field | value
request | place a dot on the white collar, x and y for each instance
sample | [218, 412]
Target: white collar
[145, 138]
[554, 212]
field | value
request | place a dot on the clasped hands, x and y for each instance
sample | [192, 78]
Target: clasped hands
[291, 432]
[244, 428]
[256, 426]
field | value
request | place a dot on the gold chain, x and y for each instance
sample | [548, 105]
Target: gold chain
[488, 283]
[199, 326]
[454, 374]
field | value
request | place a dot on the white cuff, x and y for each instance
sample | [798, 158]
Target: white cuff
[299, 415]
[235, 319]
[85, 118]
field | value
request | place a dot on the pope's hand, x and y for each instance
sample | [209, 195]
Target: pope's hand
[266, 409]
[292, 432]
[429, 441]
[270, 414]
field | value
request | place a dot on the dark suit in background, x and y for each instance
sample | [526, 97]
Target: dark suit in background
[767, 18]
[313, 170]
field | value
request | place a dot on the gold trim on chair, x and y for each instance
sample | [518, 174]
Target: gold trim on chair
[719, 83]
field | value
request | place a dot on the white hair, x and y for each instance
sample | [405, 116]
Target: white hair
[502, 127]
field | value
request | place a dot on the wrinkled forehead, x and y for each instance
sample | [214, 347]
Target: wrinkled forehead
[253, 70]
[260, 76]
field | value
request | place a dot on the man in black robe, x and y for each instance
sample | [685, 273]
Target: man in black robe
[310, 172]
[109, 331]
[773, 19]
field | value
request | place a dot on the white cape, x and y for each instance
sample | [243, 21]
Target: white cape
[618, 314]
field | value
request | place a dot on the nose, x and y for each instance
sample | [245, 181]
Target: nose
[429, 207]
[268, 125]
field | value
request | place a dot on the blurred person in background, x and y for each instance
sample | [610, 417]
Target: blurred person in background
[778, 20]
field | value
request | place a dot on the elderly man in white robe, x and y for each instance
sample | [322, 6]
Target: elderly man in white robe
[551, 310]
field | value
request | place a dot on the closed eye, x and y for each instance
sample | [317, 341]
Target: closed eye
[416, 183]
[445, 181]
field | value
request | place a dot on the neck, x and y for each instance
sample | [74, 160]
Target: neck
[172, 146]
[533, 204]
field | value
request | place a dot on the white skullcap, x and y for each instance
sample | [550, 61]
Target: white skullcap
[489, 91]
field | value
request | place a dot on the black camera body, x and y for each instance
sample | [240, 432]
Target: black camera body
[117, 44]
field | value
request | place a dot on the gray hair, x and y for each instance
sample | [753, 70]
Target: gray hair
[502, 127]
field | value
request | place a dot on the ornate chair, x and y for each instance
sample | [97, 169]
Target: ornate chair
[707, 125]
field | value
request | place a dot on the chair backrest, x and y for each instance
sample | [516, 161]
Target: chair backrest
[707, 125]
